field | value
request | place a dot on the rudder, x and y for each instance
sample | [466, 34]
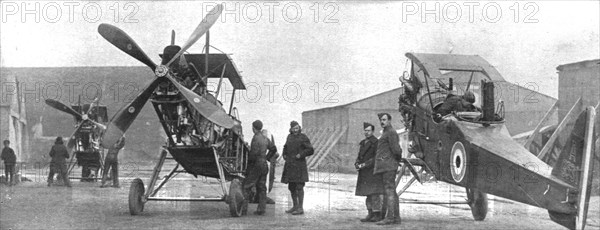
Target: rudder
[574, 166]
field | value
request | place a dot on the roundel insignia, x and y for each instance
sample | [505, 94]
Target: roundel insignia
[197, 100]
[131, 109]
[129, 46]
[458, 162]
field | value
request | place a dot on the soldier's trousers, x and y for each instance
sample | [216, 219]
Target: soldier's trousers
[113, 166]
[257, 175]
[61, 169]
[373, 202]
[390, 196]
[9, 171]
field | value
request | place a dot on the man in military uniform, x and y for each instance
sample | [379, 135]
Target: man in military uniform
[455, 103]
[10, 160]
[295, 172]
[369, 184]
[257, 168]
[386, 164]
[111, 162]
[272, 156]
[58, 164]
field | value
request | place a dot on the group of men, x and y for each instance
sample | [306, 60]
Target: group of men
[377, 163]
[58, 164]
[378, 159]
[295, 172]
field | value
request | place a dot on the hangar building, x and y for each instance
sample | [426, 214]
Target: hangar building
[336, 131]
[13, 119]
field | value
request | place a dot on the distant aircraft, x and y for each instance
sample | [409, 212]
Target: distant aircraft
[85, 140]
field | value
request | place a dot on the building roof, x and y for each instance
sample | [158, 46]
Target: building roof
[353, 102]
[579, 65]
[399, 88]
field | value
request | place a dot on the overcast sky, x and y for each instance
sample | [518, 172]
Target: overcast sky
[350, 50]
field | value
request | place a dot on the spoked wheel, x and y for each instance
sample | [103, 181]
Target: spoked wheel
[478, 202]
[136, 192]
[235, 199]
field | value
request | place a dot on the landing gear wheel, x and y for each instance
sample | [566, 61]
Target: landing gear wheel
[136, 191]
[478, 202]
[235, 199]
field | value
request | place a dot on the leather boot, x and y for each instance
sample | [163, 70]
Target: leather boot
[245, 208]
[295, 201]
[392, 208]
[299, 210]
[376, 217]
[397, 210]
[368, 217]
[383, 207]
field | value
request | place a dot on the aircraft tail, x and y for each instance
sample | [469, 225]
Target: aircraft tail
[574, 166]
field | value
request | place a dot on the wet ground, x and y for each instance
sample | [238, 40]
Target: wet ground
[329, 203]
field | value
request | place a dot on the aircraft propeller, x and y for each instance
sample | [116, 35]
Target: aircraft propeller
[83, 117]
[125, 117]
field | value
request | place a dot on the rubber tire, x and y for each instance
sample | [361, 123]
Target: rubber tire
[478, 202]
[136, 192]
[235, 199]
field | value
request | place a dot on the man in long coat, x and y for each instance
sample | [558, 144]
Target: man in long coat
[10, 160]
[386, 164]
[369, 184]
[58, 164]
[295, 172]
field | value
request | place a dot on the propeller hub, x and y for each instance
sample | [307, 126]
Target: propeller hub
[161, 71]
[84, 117]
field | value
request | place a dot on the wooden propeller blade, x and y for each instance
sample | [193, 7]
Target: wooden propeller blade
[94, 103]
[200, 30]
[71, 142]
[121, 121]
[210, 111]
[62, 107]
[121, 40]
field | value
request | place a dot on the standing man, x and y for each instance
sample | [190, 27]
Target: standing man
[272, 157]
[111, 162]
[386, 164]
[295, 172]
[369, 184]
[58, 164]
[10, 160]
[257, 168]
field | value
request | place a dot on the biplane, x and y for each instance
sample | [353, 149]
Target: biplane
[473, 149]
[202, 137]
[85, 140]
